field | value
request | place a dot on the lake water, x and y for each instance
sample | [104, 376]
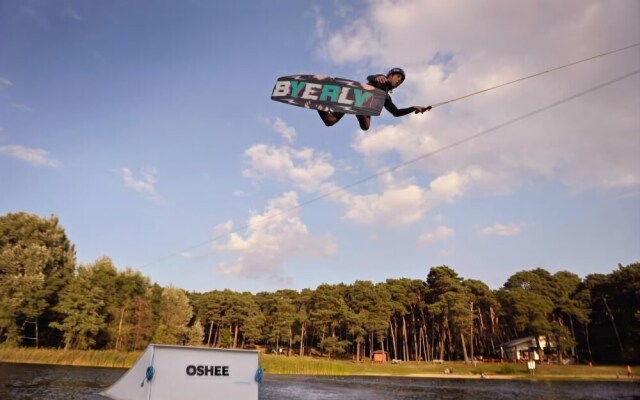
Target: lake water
[48, 382]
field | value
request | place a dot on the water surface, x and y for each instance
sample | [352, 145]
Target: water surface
[49, 382]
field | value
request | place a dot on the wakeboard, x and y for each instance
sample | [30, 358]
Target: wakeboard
[321, 92]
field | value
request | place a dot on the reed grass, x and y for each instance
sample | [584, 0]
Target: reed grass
[307, 366]
[302, 366]
[94, 358]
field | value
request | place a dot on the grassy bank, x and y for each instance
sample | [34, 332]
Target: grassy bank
[319, 366]
[94, 358]
[293, 365]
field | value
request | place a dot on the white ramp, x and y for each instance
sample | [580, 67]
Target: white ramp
[192, 373]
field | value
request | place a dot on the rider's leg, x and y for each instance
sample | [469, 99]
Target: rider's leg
[364, 121]
[330, 118]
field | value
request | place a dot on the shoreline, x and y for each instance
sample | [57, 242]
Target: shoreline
[571, 378]
[520, 377]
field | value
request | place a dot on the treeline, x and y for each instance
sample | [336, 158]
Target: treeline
[46, 300]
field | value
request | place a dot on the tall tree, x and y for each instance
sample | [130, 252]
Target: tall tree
[131, 291]
[370, 309]
[407, 323]
[303, 311]
[568, 311]
[142, 324]
[82, 307]
[280, 309]
[526, 303]
[244, 318]
[614, 325]
[36, 262]
[175, 315]
[329, 311]
[210, 308]
[482, 303]
[448, 302]
[104, 276]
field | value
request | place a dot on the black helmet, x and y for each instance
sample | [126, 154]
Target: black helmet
[397, 71]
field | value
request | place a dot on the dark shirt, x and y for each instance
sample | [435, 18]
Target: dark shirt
[388, 103]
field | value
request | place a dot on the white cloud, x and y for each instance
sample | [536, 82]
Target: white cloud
[498, 229]
[146, 185]
[36, 157]
[304, 168]
[73, 14]
[222, 229]
[36, 17]
[320, 23]
[4, 82]
[448, 187]
[239, 193]
[383, 139]
[400, 202]
[287, 132]
[446, 252]
[22, 107]
[351, 44]
[272, 238]
[442, 232]
[395, 206]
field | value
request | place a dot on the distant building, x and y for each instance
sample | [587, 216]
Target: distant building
[379, 356]
[525, 348]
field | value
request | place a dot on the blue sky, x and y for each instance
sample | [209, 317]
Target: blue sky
[148, 129]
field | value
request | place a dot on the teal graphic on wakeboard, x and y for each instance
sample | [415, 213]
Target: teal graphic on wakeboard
[325, 93]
